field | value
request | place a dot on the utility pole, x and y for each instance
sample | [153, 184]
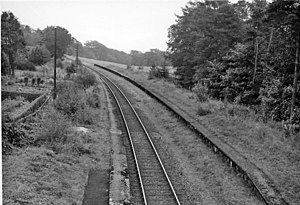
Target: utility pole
[77, 56]
[54, 93]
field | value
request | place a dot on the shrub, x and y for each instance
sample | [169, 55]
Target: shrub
[59, 63]
[12, 136]
[71, 69]
[70, 98]
[40, 55]
[86, 78]
[54, 127]
[156, 72]
[201, 92]
[25, 65]
[93, 100]
[28, 74]
[86, 115]
[202, 111]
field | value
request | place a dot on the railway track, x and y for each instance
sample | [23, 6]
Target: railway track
[149, 181]
[267, 193]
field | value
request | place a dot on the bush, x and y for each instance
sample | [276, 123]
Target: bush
[40, 55]
[86, 115]
[59, 63]
[86, 78]
[25, 65]
[201, 92]
[70, 98]
[202, 111]
[54, 127]
[156, 72]
[71, 69]
[12, 136]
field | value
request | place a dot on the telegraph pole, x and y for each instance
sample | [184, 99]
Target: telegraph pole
[54, 93]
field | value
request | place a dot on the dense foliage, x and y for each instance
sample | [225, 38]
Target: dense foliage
[11, 38]
[39, 55]
[246, 52]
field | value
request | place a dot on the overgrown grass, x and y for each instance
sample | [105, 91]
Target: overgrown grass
[266, 143]
[53, 167]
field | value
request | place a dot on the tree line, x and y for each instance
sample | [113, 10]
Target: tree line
[24, 47]
[246, 52]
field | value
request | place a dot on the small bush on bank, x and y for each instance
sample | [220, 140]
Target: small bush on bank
[59, 63]
[13, 136]
[202, 111]
[156, 72]
[40, 55]
[86, 115]
[85, 78]
[54, 127]
[93, 97]
[71, 69]
[70, 98]
[201, 92]
[25, 65]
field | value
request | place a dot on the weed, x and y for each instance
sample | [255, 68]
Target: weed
[85, 78]
[70, 98]
[59, 63]
[201, 92]
[86, 115]
[156, 72]
[202, 111]
[54, 127]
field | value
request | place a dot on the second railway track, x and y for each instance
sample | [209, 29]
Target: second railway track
[149, 181]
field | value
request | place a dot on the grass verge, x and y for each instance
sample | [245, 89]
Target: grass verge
[52, 168]
[264, 143]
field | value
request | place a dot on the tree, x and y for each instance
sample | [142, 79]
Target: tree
[63, 40]
[39, 56]
[285, 16]
[205, 32]
[11, 37]
[100, 50]
[32, 37]
[5, 66]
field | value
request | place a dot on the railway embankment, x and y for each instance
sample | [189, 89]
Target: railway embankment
[246, 162]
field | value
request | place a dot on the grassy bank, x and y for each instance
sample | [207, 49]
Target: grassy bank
[48, 161]
[263, 142]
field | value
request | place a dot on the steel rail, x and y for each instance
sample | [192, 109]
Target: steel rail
[145, 131]
[131, 142]
[239, 169]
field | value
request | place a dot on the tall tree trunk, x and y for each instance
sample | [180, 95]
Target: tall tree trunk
[11, 62]
[256, 57]
[295, 80]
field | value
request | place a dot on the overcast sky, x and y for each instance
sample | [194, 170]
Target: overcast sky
[119, 24]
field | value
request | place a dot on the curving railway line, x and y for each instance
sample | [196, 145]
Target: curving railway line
[149, 181]
[268, 194]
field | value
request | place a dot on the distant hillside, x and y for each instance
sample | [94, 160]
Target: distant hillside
[96, 50]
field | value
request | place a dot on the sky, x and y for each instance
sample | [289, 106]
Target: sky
[119, 24]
